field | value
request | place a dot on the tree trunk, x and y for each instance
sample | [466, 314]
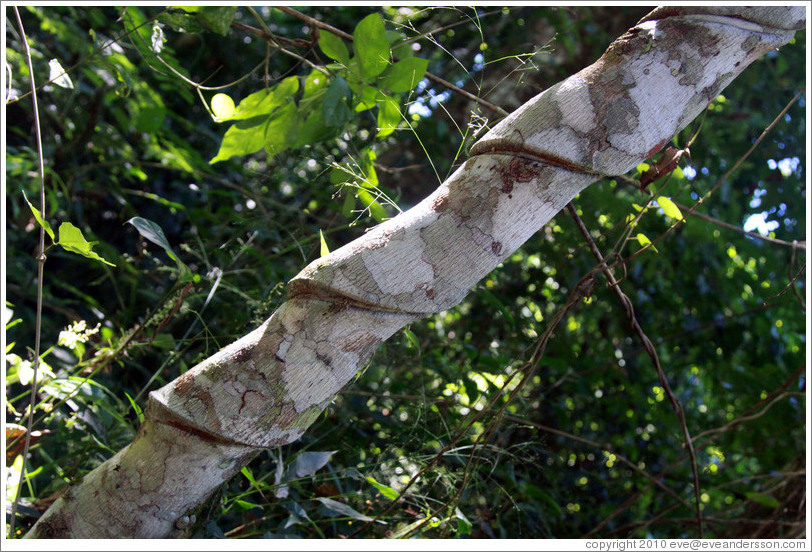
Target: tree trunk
[267, 388]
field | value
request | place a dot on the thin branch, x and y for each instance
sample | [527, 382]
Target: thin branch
[40, 273]
[607, 448]
[629, 308]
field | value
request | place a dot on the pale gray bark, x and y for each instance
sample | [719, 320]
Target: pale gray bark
[267, 388]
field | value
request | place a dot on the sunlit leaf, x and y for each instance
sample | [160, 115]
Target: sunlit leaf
[223, 107]
[334, 47]
[405, 74]
[385, 490]
[371, 45]
[71, 239]
[643, 240]
[242, 138]
[388, 117]
[42, 222]
[58, 75]
[669, 208]
[324, 250]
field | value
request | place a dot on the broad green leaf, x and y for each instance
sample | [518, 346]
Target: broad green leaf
[336, 111]
[154, 233]
[404, 75]
[388, 117]
[282, 130]
[314, 82]
[324, 249]
[375, 209]
[243, 138]
[334, 47]
[345, 510]
[669, 208]
[368, 157]
[71, 238]
[181, 22]
[39, 219]
[223, 107]
[264, 101]
[371, 45]
[368, 97]
[217, 18]
[58, 75]
[385, 490]
[313, 130]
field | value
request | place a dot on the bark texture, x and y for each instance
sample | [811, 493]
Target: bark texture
[267, 388]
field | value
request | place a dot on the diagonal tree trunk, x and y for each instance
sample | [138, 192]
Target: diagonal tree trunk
[267, 388]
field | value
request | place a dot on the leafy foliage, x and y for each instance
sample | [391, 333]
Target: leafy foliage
[531, 410]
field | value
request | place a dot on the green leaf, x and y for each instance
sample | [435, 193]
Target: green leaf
[137, 409]
[367, 165]
[154, 233]
[314, 82]
[669, 208]
[313, 130]
[245, 505]
[371, 45]
[217, 18]
[385, 490]
[264, 101]
[243, 138]
[368, 97]
[376, 210]
[181, 22]
[334, 47]
[71, 239]
[324, 249]
[336, 111]
[643, 240]
[223, 107]
[763, 499]
[404, 75]
[282, 130]
[39, 219]
[150, 119]
[388, 117]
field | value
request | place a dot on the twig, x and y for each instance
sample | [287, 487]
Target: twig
[607, 448]
[629, 308]
[430, 76]
[40, 272]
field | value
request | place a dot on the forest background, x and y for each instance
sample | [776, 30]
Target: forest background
[558, 423]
